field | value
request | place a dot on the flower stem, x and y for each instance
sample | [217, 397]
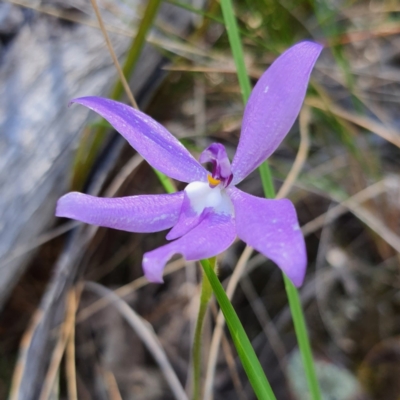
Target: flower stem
[295, 305]
[236, 47]
[266, 180]
[302, 338]
[205, 296]
[269, 191]
[165, 182]
[245, 350]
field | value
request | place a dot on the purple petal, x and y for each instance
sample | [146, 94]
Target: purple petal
[216, 155]
[188, 219]
[273, 107]
[151, 213]
[154, 143]
[212, 236]
[272, 228]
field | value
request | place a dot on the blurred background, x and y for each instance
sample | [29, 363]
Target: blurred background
[59, 332]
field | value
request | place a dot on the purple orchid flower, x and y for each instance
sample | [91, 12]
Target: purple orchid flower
[210, 212]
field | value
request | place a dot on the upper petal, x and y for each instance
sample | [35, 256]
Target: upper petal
[151, 213]
[214, 234]
[273, 107]
[154, 143]
[272, 228]
[216, 155]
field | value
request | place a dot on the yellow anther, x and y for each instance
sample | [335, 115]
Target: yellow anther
[213, 182]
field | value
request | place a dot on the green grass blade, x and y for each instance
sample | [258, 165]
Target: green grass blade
[197, 11]
[242, 343]
[266, 180]
[302, 338]
[269, 191]
[295, 307]
[219, 20]
[165, 182]
[236, 47]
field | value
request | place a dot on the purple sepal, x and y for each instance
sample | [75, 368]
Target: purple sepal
[150, 213]
[273, 107]
[272, 228]
[212, 236]
[216, 155]
[154, 143]
[188, 219]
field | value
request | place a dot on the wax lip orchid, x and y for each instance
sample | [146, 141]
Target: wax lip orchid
[210, 212]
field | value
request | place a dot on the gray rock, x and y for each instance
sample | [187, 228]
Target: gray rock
[47, 64]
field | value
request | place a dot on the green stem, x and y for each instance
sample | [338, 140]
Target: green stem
[245, 350]
[236, 47]
[206, 292]
[266, 180]
[269, 191]
[295, 306]
[302, 338]
[165, 182]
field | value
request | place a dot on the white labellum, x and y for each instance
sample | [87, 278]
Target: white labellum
[201, 196]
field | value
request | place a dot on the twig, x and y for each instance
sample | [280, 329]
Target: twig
[113, 55]
[66, 330]
[23, 353]
[384, 132]
[125, 290]
[187, 51]
[145, 332]
[335, 212]
[123, 175]
[375, 224]
[301, 156]
[70, 370]
[40, 240]
[112, 385]
[265, 321]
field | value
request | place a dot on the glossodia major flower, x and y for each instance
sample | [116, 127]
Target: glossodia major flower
[210, 212]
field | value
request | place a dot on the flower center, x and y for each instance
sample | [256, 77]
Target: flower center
[213, 182]
[201, 195]
[221, 167]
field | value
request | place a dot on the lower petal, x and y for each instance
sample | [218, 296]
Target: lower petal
[214, 234]
[272, 228]
[188, 219]
[150, 213]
